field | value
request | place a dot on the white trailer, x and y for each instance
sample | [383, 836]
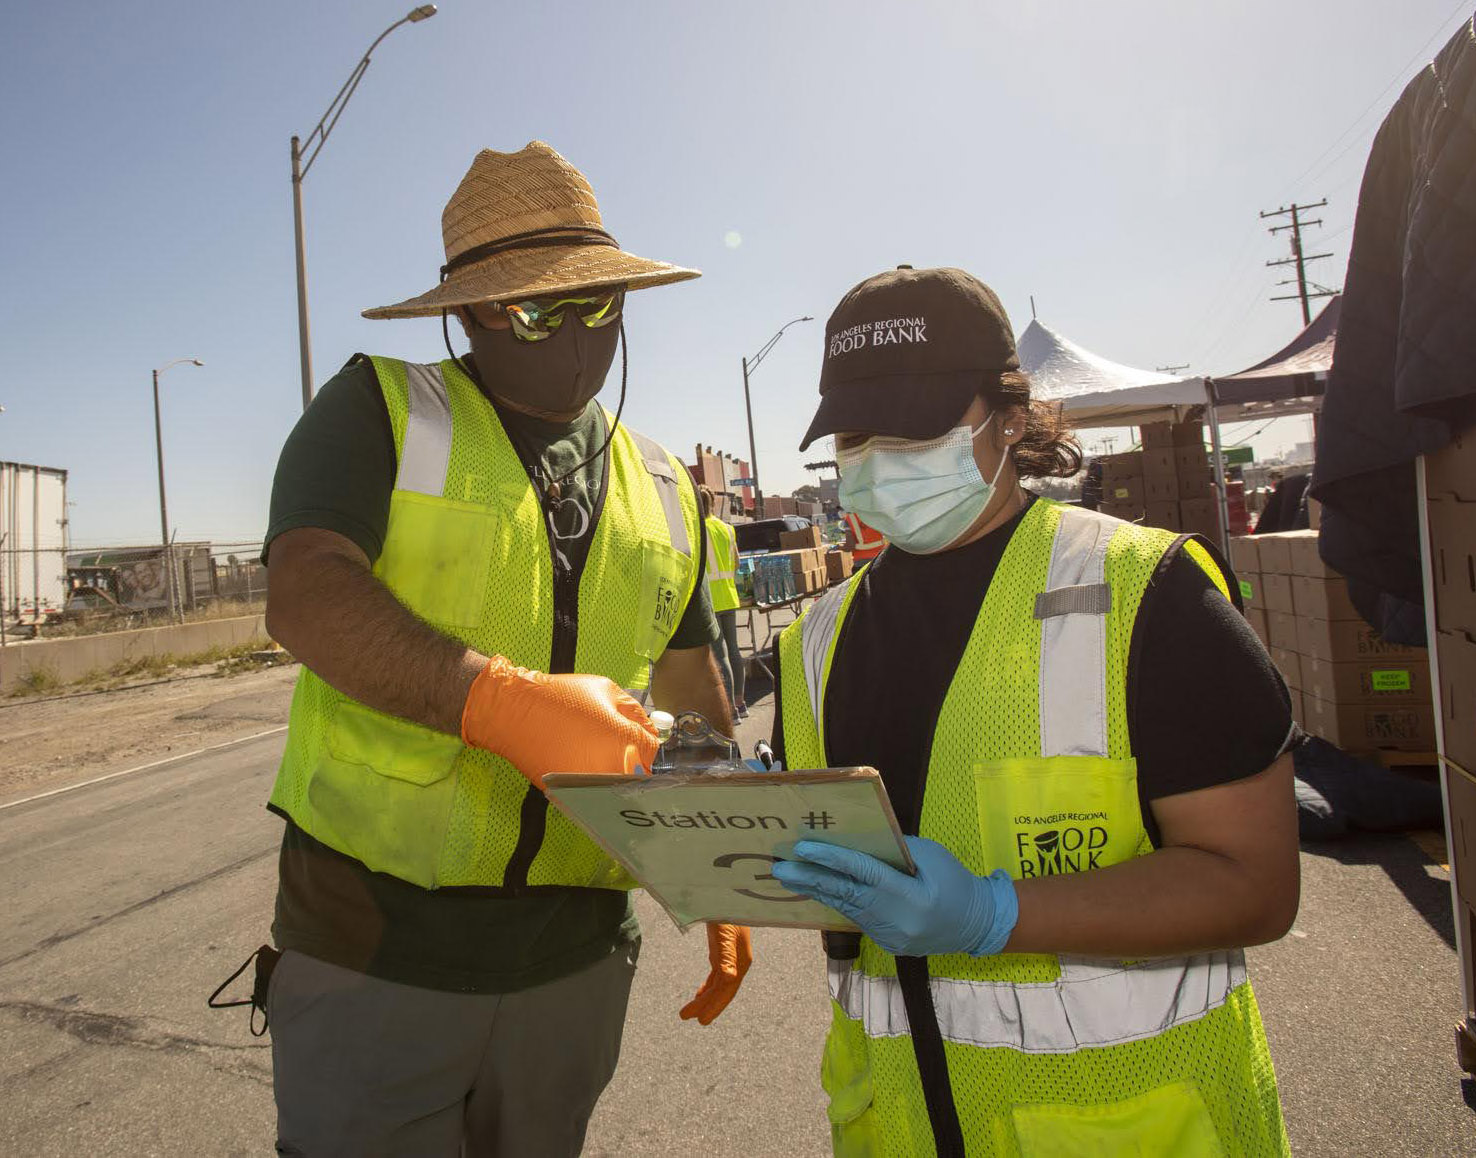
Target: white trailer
[33, 542]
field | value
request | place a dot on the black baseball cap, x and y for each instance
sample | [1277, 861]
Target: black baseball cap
[906, 352]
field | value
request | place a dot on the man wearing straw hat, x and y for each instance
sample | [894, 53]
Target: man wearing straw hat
[480, 570]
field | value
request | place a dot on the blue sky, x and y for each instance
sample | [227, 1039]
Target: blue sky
[1109, 159]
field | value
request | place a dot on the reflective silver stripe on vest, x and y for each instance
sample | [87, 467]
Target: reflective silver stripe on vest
[426, 450]
[667, 488]
[1073, 646]
[1092, 1004]
[816, 631]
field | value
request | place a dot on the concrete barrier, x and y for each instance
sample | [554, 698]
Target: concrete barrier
[68, 660]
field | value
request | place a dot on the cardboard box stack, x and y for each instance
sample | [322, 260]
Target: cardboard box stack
[1347, 685]
[1169, 483]
[1122, 485]
[805, 552]
[1450, 484]
[1450, 487]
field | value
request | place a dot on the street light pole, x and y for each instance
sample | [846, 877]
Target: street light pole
[752, 364]
[304, 153]
[167, 554]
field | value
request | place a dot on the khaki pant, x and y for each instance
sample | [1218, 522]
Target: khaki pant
[365, 1068]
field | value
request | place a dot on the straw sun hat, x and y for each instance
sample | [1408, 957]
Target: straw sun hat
[526, 224]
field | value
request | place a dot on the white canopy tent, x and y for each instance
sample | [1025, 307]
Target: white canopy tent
[1095, 391]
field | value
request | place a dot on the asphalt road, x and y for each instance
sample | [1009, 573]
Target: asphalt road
[129, 900]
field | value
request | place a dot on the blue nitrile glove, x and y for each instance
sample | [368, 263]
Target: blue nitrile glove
[944, 909]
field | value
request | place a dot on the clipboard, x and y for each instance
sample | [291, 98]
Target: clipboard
[703, 843]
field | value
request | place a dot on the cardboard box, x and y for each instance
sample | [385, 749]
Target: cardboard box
[1299, 711]
[1256, 617]
[1314, 513]
[1457, 652]
[1201, 517]
[1132, 512]
[1160, 489]
[1191, 459]
[1362, 727]
[800, 561]
[1187, 434]
[1123, 489]
[1453, 559]
[800, 540]
[1302, 546]
[1276, 594]
[1157, 435]
[1165, 515]
[838, 565]
[1349, 641]
[1460, 795]
[1196, 483]
[1322, 598]
[1367, 681]
[1451, 472]
[1129, 464]
[1275, 553]
[1281, 629]
[815, 579]
[1159, 463]
[1244, 554]
[1289, 664]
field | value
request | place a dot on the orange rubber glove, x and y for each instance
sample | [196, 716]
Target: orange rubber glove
[556, 723]
[730, 950]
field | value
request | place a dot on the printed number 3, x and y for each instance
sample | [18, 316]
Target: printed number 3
[729, 859]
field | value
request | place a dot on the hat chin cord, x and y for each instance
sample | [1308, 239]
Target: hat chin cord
[553, 490]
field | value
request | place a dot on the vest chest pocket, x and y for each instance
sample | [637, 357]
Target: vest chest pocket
[665, 573]
[384, 787]
[1045, 816]
[436, 557]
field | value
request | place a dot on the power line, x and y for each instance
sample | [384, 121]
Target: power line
[1458, 10]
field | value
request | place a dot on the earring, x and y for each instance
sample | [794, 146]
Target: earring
[1009, 431]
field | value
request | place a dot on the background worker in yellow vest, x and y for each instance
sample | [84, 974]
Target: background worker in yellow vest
[1087, 747]
[477, 566]
[722, 588]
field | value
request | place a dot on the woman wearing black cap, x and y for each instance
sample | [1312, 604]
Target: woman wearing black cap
[1087, 747]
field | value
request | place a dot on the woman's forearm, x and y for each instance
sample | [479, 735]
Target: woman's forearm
[1174, 901]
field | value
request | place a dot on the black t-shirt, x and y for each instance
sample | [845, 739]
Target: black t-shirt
[337, 472]
[1205, 705]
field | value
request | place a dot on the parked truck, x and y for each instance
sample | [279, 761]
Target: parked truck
[33, 542]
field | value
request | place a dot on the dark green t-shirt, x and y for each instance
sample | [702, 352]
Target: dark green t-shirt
[336, 472]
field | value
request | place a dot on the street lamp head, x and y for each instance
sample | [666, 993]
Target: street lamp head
[424, 12]
[197, 361]
[807, 319]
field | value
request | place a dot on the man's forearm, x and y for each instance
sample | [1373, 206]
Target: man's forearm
[332, 613]
[687, 680]
[1175, 901]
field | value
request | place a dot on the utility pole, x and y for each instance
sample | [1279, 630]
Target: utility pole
[1172, 369]
[1299, 258]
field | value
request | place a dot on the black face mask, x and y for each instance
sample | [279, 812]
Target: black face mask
[561, 373]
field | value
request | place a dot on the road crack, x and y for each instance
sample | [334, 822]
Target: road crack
[113, 1030]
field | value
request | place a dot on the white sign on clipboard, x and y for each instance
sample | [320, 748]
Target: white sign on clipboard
[703, 844]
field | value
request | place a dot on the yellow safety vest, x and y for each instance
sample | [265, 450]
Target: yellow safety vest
[1031, 770]
[467, 550]
[722, 564]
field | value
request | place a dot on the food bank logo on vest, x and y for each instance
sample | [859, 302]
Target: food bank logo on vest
[891, 331]
[1068, 842]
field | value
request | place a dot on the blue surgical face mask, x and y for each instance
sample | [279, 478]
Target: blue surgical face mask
[923, 496]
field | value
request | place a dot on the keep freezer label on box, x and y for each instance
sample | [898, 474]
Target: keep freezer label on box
[1390, 680]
